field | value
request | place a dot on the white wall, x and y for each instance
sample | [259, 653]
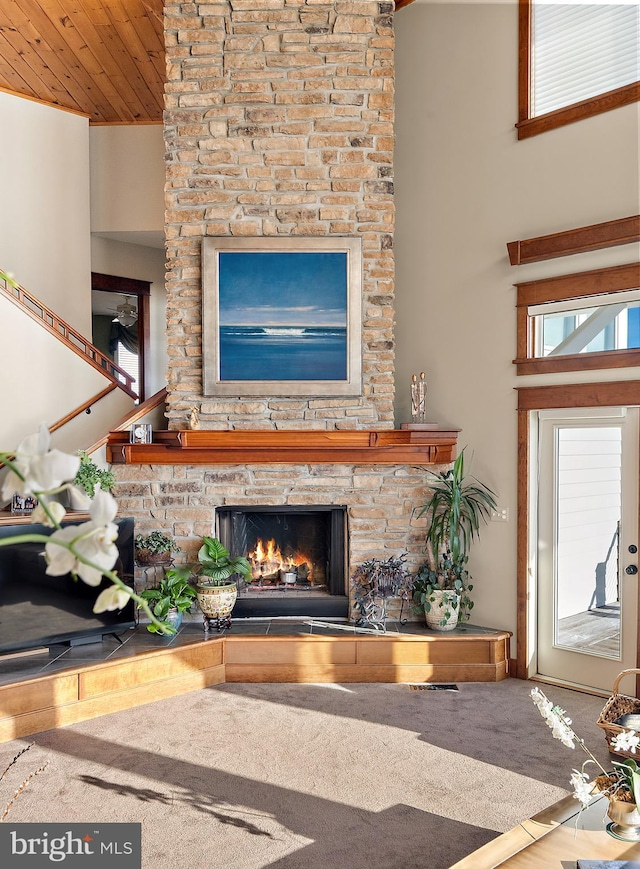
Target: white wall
[44, 380]
[145, 264]
[127, 214]
[127, 178]
[465, 187]
[44, 219]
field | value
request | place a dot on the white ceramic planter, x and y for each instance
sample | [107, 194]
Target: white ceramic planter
[78, 499]
[216, 601]
[444, 612]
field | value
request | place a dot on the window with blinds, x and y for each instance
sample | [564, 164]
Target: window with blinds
[581, 51]
[130, 363]
[576, 60]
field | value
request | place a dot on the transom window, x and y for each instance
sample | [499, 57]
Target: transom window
[587, 325]
[580, 321]
[576, 59]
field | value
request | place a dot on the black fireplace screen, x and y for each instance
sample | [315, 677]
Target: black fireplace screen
[289, 548]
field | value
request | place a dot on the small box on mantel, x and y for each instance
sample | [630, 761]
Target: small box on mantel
[419, 426]
[608, 864]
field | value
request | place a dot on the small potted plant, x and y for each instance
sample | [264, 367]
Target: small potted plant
[216, 588]
[373, 582]
[87, 481]
[621, 785]
[155, 548]
[457, 506]
[170, 599]
[442, 593]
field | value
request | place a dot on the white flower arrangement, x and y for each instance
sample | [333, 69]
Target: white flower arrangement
[87, 551]
[622, 782]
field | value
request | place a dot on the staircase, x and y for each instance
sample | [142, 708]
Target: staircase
[54, 375]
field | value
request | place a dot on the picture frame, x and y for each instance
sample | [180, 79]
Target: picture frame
[282, 316]
[23, 504]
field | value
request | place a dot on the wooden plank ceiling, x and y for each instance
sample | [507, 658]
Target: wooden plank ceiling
[102, 58]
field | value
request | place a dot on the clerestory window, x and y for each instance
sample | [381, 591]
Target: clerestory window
[576, 60]
[580, 321]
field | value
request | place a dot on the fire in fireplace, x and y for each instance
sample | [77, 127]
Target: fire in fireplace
[270, 566]
[297, 556]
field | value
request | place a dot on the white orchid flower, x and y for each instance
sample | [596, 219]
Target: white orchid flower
[92, 541]
[543, 703]
[556, 718]
[582, 787]
[112, 598]
[53, 518]
[627, 740]
[39, 468]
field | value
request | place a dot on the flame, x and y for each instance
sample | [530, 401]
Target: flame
[267, 559]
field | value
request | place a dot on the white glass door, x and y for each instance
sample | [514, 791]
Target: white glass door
[587, 589]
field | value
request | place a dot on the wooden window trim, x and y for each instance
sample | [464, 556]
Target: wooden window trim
[615, 394]
[624, 230]
[528, 126]
[577, 286]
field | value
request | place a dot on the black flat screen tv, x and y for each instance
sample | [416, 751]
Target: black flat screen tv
[40, 610]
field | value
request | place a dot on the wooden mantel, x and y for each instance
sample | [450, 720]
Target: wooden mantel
[389, 447]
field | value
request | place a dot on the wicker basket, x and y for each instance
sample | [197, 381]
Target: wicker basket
[617, 705]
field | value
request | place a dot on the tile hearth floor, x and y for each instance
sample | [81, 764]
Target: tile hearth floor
[45, 661]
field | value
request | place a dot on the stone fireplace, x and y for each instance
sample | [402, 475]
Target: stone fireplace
[187, 483]
[279, 122]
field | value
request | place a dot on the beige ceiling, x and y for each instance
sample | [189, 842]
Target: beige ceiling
[102, 58]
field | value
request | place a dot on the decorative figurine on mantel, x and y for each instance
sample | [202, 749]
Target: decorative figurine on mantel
[193, 420]
[419, 404]
[418, 397]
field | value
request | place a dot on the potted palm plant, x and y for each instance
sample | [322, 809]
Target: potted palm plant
[459, 503]
[216, 587]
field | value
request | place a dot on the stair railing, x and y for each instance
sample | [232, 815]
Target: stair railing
[69, 336]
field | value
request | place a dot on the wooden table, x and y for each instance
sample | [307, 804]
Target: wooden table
[550, 840]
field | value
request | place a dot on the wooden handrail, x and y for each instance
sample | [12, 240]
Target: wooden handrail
[67, 334]
[81, 408]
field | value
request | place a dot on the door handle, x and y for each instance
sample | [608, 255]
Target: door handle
[631, 569]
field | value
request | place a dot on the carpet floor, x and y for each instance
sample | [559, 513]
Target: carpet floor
[287, 776]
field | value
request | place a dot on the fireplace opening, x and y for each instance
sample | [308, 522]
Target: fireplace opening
[297, 556]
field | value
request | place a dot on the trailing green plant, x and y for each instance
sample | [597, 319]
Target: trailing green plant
[173, 592]
[156, 542]
[217, 565]
[90, 477]
[450, 579]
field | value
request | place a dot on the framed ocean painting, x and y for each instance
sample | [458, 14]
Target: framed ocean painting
[282, 316]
